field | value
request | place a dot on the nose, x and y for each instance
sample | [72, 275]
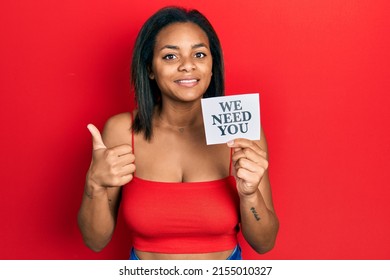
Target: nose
[187, 65]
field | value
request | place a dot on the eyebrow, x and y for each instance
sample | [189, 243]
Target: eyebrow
[173, 47]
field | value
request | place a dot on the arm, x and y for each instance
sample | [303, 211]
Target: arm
[97, 214]
[111, 167]
[259, 222]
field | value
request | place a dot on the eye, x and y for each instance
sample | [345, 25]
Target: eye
[200, 55]
[169, 56]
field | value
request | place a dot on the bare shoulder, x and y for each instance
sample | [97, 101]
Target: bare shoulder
[117, 130]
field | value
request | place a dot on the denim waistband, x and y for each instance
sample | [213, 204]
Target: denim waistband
[235, 255]
[133, 255]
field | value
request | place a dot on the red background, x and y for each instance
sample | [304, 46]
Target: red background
[322, 68]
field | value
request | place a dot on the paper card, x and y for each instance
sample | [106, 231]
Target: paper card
[230, 117]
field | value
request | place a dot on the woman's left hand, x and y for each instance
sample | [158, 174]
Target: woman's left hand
[249, 165]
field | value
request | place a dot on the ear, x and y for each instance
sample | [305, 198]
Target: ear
[150, 73]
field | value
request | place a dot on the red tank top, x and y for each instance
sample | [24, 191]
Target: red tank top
[182, 218]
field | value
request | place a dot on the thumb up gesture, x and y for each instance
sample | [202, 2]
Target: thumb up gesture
[110, 167]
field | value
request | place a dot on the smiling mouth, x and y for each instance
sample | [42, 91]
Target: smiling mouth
[187, 82]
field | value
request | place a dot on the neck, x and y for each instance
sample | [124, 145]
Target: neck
[180, 117]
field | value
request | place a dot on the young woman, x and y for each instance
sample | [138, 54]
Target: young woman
[181, 198]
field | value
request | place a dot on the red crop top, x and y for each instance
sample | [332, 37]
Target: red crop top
[182, 218]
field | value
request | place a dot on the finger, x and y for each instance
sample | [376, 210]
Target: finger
[250, 178]
[97, 141]
[121, 181]
[121, 175]
[121, 150]
[241, 143]
[244, 143]
[255, 156]
[237, 155]
[258, 168]
[125, 160]
[125, 179]
[126, 170]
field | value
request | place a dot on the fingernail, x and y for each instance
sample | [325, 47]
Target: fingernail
[230, 143]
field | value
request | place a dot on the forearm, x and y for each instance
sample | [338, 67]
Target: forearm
[259, 224]
[95, 218]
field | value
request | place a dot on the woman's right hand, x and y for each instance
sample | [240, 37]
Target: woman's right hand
[110, 167]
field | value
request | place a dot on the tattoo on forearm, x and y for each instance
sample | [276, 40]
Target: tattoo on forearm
[257, 217]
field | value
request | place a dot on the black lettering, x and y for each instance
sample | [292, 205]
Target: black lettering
[236, 116]
[242, 129]
[232, 129]
[226, 105]
[215, 118]
[246, 116]
[222, 129]
[227, 118]
[237, 105]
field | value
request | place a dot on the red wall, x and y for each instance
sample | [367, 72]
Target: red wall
[322, 68]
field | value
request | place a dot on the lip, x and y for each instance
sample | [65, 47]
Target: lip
[187, 82]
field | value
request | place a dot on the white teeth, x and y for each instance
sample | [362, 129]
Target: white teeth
[187, 81]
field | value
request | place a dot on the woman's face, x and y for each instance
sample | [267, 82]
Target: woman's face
[182, 62]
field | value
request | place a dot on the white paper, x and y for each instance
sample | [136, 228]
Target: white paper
[230, 117]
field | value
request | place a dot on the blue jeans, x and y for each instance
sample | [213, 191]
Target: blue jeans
[235, 255]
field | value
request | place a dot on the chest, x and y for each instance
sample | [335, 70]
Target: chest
[180, 158]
